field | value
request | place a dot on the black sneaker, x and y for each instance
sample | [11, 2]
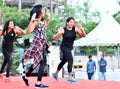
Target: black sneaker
[41, 86]
[25, 80]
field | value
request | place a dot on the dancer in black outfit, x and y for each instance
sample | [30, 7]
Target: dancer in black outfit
[69, 34]
[9, 32]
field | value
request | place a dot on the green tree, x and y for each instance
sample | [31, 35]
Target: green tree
[77, 12]
[53, 26]
[20, 18]
[58, 20]
[117, 17]
[1, 2]
[85, 14]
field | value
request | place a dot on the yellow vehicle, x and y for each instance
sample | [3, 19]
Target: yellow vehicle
[78, 65]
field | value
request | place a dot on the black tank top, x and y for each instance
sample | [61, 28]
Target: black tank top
[68, 37]
[8, 41]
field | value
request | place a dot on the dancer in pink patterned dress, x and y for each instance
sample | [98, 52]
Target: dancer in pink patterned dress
[38, 48]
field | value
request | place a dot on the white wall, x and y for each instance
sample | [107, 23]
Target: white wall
[54, 60]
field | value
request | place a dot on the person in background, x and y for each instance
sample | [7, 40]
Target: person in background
[91, 67]
[9, 33]
[102, 67]
[21, 53]
[69, 34]
[38, 48]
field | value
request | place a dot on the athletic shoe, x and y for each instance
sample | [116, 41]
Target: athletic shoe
[41, 86]
[25, 80]
[1, 76]
[55, 76]
[7, 79]
[72, 80]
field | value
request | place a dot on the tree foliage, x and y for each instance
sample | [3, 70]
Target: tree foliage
[1, 2]
[20, 18]
[117, 17]
[58, 20]
[82, 15]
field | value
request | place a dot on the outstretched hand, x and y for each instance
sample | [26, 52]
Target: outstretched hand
[60, 30]
[80, 27]
[80, 30]
[48, 14]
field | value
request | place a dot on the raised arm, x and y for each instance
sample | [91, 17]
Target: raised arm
[1, 29]
[32, 24]
[19, 31]
[0, 32]
[80, 31]
[47, 21]
[59, 33]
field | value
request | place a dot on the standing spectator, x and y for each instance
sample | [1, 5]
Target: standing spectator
[69, 34]
[91, 67]
[102, 67]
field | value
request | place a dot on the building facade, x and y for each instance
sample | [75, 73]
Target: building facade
[51, 4]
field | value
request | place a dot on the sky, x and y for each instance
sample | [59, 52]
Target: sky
[101, 5]
[106, 5]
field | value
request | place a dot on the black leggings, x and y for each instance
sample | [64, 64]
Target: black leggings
[40, 70]
[67, 57]
[7, 61]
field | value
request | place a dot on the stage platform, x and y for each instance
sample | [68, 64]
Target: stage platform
[61, 84]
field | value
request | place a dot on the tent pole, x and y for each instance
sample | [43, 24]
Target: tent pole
[118, 56]
[98, 55]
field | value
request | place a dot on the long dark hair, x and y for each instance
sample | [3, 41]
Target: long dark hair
[68, 19]
[5, 29]
[36, 9]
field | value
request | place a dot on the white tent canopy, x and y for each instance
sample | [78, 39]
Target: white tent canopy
[105, 34]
